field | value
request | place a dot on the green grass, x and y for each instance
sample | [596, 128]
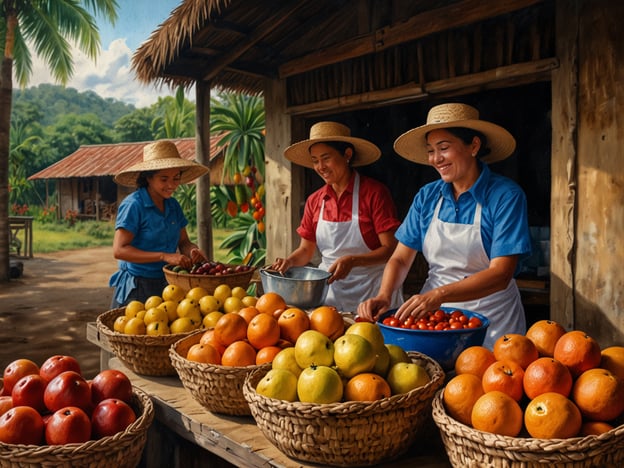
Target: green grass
[48, 238]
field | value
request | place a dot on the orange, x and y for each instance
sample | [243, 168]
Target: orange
[612, 358]
[552, 416]
[270, 302]
[230, 328]
[248, 313]
[506, 377]
[366, 387]
[328, 321]
[209, 338]
[263, 331]
[460, 395]
[515, 347]
[267, 354]
[203, 353]
[544, 335]
[293, 322]
[474, 360]
[599, 394]
[578, 351]
[239, 354]
[595, 428]
[546, 375]
[498, 413]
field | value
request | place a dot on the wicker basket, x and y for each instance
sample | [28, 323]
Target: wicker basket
[123, 449]
[217, 388]
[144, 354]
[188, 281]
[352, 433]
[468, 447]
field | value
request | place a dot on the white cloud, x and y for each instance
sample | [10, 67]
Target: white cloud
[110, 76]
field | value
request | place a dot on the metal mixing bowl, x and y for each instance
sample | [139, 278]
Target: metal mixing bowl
[302, 287]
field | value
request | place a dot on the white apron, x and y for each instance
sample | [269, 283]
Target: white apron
[455, 251]
[337, 238]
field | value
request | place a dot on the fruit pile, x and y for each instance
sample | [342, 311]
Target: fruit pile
[55, 405]
[549, 383]
[180, 311]
[437, 320]
[212, 267]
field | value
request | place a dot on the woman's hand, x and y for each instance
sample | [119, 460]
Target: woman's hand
[418, 305]
[372, 308]
[281, 265]
[177, 259]
[341, 268]
[197, 256]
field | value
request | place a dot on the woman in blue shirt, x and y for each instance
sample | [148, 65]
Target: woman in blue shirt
[471, 225]
[150, 228]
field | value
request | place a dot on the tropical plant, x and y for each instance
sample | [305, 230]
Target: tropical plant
[177, 119]
[240, 121]
[186, 195]
[49, 28]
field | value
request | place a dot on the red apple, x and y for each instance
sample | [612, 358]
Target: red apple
[28, 391]
[6, 403]
[15, 371]
[21, 425]
[67, 426]
[67, 389]
[54, 365]
[111, 416]
[111, 383]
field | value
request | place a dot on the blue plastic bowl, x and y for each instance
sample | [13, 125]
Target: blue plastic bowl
[441, 345]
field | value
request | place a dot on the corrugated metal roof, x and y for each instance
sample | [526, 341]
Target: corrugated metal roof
[108, 160]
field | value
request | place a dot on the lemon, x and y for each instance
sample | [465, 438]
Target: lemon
[171, 308]
[173, 292]
[133, 307]
[208, 304]
[222, 292]
[135, 326]
[155, 314]
[211, 318]
[239, 292]
[232, 304]
[249, 301]
[188, 307]
[120, 323]
[157, 328]
[197, 293]
[182, 325]
[152, 301]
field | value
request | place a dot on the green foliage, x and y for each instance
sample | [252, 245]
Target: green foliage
[245, 239]
[220, 195]
[175, 117]
[187, 197]
[135, 126]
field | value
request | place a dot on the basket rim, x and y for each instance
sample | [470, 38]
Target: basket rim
[175, 274]
[338, 409]
[142, 422]
[519, 444]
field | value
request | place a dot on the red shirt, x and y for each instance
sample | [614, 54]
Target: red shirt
[377, 212]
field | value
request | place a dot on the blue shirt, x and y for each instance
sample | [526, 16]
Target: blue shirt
[504, 221]
[153, 230]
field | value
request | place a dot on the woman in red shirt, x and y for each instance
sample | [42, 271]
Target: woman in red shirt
[351, 219]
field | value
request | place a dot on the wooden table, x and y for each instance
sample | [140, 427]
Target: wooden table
[21, 226]
[184, 434]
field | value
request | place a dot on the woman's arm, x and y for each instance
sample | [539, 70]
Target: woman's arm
[493, 279]
[299, 257]
[189, 248]
[123, 250]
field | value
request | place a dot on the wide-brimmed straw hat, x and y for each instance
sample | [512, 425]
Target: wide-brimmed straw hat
[365, 151]
[413, 146]
[157, 156]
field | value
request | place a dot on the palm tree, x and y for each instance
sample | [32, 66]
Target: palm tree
[49, 27]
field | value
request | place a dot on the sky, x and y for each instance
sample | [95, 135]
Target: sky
[111, 76]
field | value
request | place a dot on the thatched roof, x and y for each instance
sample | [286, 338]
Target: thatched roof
[328, 49]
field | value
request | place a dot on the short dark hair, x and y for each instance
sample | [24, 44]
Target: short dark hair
[467, 134]
[340, 146]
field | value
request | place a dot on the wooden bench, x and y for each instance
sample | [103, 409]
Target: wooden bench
[21, 236]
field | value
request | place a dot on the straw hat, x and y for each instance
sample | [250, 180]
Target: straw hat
[413, 146]
[160, 155]
[365, 151]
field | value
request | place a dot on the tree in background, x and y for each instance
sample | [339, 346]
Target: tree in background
[48, 26]
[176, 117]
[240, 120]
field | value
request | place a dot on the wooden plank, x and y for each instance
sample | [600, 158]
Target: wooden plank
[563, 169]
[430, 22]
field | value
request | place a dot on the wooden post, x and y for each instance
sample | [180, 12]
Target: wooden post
[202, 151]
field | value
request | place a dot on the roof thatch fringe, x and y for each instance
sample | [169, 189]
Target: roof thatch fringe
[165, 43]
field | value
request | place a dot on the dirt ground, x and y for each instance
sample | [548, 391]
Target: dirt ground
[45, 311]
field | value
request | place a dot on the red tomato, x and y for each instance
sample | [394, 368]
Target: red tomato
[408, 321]
[111, 416]
[68, 425]
[439, 315]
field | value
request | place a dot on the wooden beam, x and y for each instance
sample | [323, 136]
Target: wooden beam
[266, 27]
[430, 22]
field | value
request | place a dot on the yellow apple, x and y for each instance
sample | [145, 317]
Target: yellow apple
[370, 331]
[397, 354]
[406, 376]
[319, 384]
[285, 359]
[280, 384]
[382, 362]
[314, 348]
[353, 354]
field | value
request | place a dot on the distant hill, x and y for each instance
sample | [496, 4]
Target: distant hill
[54, 100]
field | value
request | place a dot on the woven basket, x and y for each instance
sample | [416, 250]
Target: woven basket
[144, 354]
[188, 281]
[217, 388]
[123, 449]
[351, 433]
[468, 447]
